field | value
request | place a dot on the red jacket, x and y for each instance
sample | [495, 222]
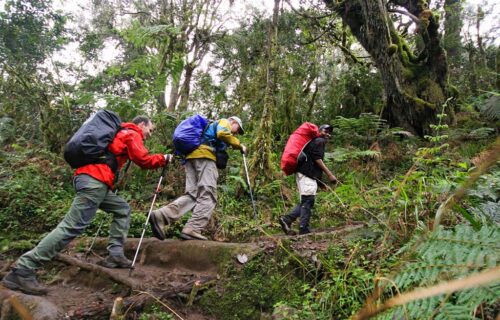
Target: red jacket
[127, 144]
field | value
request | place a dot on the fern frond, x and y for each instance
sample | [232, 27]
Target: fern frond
[449, 254]
[491, 108]
[480, 133]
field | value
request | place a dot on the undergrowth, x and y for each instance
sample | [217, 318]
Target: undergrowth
[389, 181]
[441, 256]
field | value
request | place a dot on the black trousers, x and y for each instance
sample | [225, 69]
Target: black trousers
[302, 210]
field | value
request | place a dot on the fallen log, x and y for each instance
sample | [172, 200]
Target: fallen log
[16, 305]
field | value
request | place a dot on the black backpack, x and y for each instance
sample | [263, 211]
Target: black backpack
[90, 143]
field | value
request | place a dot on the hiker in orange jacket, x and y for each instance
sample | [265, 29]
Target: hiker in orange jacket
[93, 184]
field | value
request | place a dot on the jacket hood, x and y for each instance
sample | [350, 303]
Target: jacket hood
[132, 126]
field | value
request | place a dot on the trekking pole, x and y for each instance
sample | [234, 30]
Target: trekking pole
[333, 191]
[102, 221]
[249, 187]
[147, 219]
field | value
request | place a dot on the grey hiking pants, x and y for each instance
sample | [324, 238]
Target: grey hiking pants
[200, 195]
[91, 194]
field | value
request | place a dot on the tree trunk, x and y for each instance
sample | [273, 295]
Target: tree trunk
[473, 70]
[262, 156]
[174, 96]
[186, 86]
[415, 84]
[497, 67]
[452, 40]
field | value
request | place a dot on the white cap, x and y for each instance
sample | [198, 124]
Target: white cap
[238, 120]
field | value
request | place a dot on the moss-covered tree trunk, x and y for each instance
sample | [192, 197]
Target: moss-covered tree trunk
[415, 83]
[261, 161]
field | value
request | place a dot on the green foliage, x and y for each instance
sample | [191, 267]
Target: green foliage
[34, 196]
[253, 289]
[152, 35]
[484, 199]
[29, 31]
[343, 154]
[7, 130]
[155, 313]
[430, 155]
[343, 280]
[444, 255]
[362, 131]
[490, 109]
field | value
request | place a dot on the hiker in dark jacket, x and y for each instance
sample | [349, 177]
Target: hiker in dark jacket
[93, 185]
[309, 171]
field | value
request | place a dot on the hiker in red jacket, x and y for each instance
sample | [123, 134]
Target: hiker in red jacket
[93, 184]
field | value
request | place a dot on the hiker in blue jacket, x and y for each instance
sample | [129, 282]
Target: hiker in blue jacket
[201, 181]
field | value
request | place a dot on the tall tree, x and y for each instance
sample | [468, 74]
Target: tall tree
[452, 40]
[415, 79]
[30, 31]
[196, 22]
[262, 146]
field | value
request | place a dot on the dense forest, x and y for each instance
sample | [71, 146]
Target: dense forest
[411, 88]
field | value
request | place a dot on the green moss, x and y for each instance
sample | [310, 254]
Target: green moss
[430, 91]
[392, 49]
[405, 59]
[453, 90]
[246, 292]
[420, 104]
[404, 50]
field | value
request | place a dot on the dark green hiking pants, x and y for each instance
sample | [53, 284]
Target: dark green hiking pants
[91, 194]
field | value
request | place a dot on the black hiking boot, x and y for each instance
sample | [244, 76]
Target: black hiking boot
[304, 230]
[24, 280]
[285, 226]
[156, 227]
[115, 262]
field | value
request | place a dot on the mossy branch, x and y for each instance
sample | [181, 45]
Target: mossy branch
[419, 102]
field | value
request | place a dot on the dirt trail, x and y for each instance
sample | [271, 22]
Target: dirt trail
[171, 270]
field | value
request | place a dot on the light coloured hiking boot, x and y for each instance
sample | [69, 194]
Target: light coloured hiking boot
[24, 280]
[189, 234]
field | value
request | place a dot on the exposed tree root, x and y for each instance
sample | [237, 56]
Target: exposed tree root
[137, 302]
[109, 273]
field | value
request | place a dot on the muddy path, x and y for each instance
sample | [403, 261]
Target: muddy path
[174, 272]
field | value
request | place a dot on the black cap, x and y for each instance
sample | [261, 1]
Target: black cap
[326, 127]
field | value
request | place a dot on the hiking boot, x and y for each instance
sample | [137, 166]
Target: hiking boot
[304, 230]
[285, 226]
[115, 262]
[157, 225]
[24, 280]
[190, 234]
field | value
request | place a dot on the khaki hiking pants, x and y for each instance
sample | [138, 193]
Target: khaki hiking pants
[91, 194]
[200, 195]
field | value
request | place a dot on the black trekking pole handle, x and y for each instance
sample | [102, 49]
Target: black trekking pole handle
[157, 190]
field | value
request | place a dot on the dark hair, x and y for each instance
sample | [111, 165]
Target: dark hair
[141, 119]
[326, 127]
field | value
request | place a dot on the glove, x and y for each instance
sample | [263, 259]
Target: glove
[243, 149]
[168, 158]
